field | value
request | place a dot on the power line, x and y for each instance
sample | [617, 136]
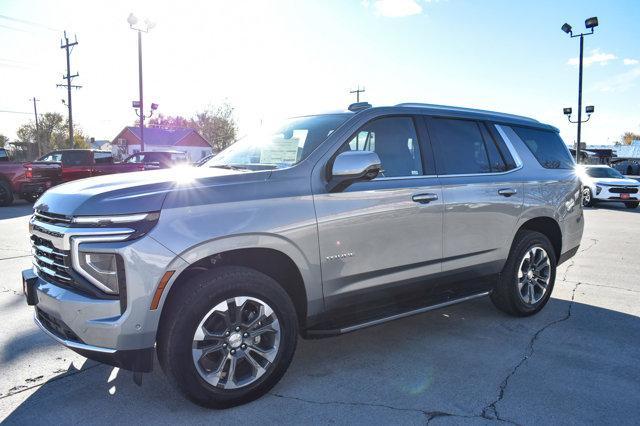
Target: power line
[14, 112]
[24, 21]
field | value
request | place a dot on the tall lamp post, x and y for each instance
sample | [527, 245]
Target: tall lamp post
[590, 24]
[144, 27]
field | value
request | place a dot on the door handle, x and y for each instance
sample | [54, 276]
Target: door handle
[424, 198]
[507, 192]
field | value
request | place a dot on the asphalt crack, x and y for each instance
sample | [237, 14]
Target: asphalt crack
[490, 412]
[429, 415]
[23, 388]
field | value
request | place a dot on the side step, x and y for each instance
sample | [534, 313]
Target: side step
[343, 330]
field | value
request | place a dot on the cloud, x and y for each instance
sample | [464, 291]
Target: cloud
[393, 8]
[596, 57]
[628, 61]
[619, 82]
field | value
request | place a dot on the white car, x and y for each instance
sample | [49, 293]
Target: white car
[603, 183]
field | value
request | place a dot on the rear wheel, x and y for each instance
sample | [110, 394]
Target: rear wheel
[631, 204]
[228, 336]
[6, 195]
[587, 197]
[527, 280]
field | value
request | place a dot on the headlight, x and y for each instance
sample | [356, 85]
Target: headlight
[104, 270]
[598, 189]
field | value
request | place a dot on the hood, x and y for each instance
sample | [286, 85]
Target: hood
[137, 192]
[614, 181]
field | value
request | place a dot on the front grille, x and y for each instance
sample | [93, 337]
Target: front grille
[56, 326]
[53, 263]
[53, 218]
[624, 190]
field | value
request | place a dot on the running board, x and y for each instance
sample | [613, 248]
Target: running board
[320, 333]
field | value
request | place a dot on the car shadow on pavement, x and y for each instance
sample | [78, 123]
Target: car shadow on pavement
[17, 209]
[467, 360]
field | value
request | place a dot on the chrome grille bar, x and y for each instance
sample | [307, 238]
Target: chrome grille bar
[50, 272]
[49, 261]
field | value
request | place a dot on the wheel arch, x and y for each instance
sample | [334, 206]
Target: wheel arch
[268, 254]
[549, 227]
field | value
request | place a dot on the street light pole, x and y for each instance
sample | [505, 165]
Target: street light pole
[133, 20]
[141, 93]
[578, 147]
[590, 24]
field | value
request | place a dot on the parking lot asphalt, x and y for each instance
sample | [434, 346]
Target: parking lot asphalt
[575, 362]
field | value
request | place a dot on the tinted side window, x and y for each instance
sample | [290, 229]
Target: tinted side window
[500, 160]
[460, 148]
[395, 141]
[547, 147]
[75, 158]
[103, 157]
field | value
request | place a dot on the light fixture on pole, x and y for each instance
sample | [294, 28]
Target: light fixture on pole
[140, 28]
[590, 24]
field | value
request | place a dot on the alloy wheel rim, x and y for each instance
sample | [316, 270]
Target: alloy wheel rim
[236, 342]
[534, 275]
[586, 196]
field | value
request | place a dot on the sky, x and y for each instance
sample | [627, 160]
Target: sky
[273, 59]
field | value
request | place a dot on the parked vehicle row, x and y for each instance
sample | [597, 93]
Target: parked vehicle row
[333, 223]
[30, 180]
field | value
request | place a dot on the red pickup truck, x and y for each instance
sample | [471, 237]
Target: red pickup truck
[30, 180]
[14, 181]
[71, 164]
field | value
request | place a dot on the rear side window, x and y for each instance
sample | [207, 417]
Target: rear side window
[460, 147]
[75, 158]
[547, 147]
[103, 157]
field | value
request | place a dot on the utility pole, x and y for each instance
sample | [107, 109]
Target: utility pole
[68, 46]
[35, 113]
[357, 92]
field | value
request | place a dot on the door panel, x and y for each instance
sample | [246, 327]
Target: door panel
[374, 236]
[483, 194]
[478, 221]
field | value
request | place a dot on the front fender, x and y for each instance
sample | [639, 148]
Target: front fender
[309, 270]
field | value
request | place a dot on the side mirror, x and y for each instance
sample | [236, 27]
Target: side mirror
[352, 166]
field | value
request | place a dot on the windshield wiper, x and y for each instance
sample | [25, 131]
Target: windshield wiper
[229, 167]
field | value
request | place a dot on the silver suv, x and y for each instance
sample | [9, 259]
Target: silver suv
[326, 225]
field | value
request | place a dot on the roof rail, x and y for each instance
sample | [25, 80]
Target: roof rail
[462, 109]
[359, 106]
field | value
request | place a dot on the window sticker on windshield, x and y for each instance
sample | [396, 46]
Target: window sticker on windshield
[280, 151]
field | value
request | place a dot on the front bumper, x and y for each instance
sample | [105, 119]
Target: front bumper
[616, 193]
[104, 328]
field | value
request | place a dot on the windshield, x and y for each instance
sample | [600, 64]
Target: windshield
[604, 172]
[291, 143]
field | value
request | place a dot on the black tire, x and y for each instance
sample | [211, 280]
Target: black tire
[187, 308]
[6, 194]
[587, 197]
[506, 295]
[631, 204]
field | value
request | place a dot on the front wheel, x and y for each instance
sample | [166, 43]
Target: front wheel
[526, 282]
[631, 204]
[587, 197]
[228, 336]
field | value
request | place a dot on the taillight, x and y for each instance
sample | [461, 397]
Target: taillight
[29, 172]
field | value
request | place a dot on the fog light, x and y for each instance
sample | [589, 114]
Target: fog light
[102, 270]
[598, 189]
